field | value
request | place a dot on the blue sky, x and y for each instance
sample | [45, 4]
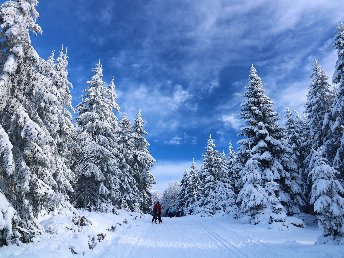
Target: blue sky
[185, 63]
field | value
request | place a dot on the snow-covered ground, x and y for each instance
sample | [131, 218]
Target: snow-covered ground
[129, 235]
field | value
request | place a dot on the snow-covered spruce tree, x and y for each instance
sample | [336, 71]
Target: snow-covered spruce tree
[262, 147]
[252, 198]
[258, 197]
[50, 108]
[66, 131]
[183, 196]
[96, 167]
[334, 141]
[233, 170]
[291, 194]
[58, 120]
[327, 197]
[224, 188]
[18, 19]
[170, 196]
[130, 196]
[231, 155]
[298, 139]
[189, 191]
[7, 212]
[192, 199]
[26, 96]
[216, 194]
[318, 106]
[142, 162]
[119, 177]
[209, 174]
[11, 224]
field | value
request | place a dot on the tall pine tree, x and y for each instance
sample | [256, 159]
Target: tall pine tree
[130, 196]
[193, 190]
[215, 191]
[33, 166]
[335, 140]
[96, 165]
[183, 196]
[260, 153]
[298, 139]
[318, 106]
[142, 162]
[327, 197]
[59, 121]
[233, 168]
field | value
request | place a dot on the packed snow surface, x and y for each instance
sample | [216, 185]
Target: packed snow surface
[134, 236]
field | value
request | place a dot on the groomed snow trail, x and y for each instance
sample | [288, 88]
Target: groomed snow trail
[194, 237]
[175, 237]
[186, 237]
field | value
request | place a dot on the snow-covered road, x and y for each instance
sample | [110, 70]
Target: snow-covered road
[174, 238]
[186, 237]
[194, 237]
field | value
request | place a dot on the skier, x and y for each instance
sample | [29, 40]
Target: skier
[157, 213]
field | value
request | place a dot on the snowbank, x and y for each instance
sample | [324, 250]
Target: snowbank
[70, 235]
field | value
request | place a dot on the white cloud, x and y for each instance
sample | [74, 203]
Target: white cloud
[200, 38]
[211, 86]
[294, 97]
[289, 15]
[232, 121]
[176, 140]
[221, 30]
[328, 63]
[294, 94]
[185, 139]
[159, 106]
[180, 96]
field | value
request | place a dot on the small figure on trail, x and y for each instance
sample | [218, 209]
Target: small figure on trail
[171, 212]
[157, 213]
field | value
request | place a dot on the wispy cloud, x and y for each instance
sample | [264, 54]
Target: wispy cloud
[184, 139]
[218, 32]
[294, 96]
[289, 87]
[160, 104]
[176, 140]
[232, 121]
[186, 69]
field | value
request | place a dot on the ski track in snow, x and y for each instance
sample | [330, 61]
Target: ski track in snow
[194, 237]
[228, 250]
[186, 237]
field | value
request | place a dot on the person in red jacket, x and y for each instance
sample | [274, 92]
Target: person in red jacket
[157, 213]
